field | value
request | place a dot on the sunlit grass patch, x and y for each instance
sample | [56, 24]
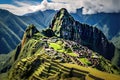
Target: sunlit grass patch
[55, 46]
[85, 61]
[72, 54]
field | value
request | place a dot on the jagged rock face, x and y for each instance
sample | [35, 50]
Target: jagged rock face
[61, 19]
[66, 27]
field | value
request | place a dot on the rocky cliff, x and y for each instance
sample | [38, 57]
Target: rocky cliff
[66, 27]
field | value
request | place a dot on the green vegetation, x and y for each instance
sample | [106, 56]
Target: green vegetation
[58, 46]
[96, 75]
[69, 52]
[116, 58]
[85, 61]
[46, 58]
[59, 42]
[41, 67]
[105, 65]
[55, 46]
[38, 35]
[116, 41]
[72, 54]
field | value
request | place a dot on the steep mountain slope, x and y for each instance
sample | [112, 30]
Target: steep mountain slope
[40, 18]
[11, 30]
[107, 22]
[116, 40]
[116, 58]
[66, 27]
[12, 27]
[39, 57]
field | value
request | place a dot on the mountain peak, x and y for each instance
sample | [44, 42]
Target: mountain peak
[61, 18]
[64, 26]
[30, 31]
[62, 14]
[63, 10]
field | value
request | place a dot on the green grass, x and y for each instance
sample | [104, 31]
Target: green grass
[72, 54]
[60, 42]
[55, 46]
[38, 35]
[93, 72]
[61, 51]
[58, 47]
[85, 61]
[69, 51]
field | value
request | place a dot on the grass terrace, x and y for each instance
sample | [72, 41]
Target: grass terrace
[58, 46]
[85, 61]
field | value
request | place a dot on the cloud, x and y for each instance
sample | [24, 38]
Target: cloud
[93, 6]
[89, 6]
[20, 8]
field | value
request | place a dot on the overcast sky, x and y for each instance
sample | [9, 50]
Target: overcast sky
[20, 7]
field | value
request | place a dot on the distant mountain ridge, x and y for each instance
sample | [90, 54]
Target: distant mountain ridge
[11, 31]
[13, 26]
[101, 21]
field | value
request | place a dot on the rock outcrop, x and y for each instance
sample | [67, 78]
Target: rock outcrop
[66, 27]
[30, 31]
[28, 34]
